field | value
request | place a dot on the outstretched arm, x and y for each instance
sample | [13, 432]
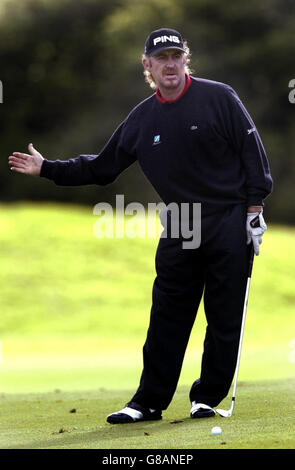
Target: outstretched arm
[29, 164]
[117, 155]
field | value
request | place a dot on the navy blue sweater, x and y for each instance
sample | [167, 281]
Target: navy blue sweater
[203, 147]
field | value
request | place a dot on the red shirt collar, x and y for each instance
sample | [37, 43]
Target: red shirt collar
[188, 81]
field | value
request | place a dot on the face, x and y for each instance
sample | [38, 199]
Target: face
[167, 68]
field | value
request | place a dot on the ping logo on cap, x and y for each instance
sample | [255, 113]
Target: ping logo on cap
[162, 39]
[165, 39]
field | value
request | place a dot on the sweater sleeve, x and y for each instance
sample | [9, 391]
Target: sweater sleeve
[100, 169]
[247, 143]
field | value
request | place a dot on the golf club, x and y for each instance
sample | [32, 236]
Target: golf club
[228, 413]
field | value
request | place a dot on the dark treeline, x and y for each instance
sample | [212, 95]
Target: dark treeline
[71, 71]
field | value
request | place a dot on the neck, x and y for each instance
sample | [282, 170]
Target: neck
[188, 81]
[171, 94]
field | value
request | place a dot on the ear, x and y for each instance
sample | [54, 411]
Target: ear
[146, 62]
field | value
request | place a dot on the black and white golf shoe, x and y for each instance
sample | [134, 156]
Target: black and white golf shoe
[133, 413]
[200, 410]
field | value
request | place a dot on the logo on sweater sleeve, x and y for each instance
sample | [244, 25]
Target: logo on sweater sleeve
[249, 131]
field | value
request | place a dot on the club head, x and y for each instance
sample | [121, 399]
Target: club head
[224, 413]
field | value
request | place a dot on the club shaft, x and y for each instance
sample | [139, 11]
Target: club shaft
[242, 329]
[241, 340]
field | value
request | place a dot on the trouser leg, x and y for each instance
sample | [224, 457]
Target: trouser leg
[177, 292]
[227, 258]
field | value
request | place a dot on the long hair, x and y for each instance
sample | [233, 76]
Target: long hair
[149, 77]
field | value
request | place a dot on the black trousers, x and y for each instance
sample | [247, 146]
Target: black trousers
[217, 270]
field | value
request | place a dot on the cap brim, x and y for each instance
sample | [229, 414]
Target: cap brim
[165, 49]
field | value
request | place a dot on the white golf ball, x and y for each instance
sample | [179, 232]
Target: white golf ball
[216, 430]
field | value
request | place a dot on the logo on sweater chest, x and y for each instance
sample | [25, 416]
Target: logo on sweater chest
[193, 128]
[157, 140]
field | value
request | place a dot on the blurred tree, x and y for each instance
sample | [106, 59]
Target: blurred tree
[71, 71]
[51, 58]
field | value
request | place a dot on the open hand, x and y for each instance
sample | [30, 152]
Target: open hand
[29, 164]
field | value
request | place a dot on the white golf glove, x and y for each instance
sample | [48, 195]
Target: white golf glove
[255, 227]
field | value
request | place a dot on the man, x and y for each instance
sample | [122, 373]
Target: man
[196, 143]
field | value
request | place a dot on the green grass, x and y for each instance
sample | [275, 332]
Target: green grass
[74, 315]
[261, 420]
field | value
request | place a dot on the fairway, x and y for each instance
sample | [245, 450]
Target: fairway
[64, 420]
[75, 310]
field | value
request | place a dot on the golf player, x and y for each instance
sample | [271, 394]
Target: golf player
[196, 143]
